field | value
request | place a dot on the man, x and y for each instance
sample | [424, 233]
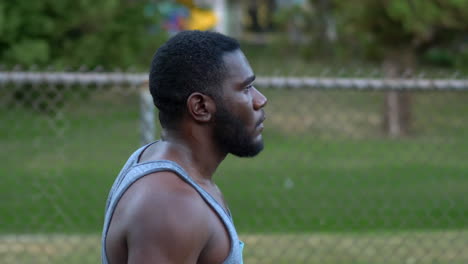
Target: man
[164, 207]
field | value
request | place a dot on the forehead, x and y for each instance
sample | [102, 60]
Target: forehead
[237, 66]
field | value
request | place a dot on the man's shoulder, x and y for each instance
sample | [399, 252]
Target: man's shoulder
[161, 203]
[161, 216]
[163, 191]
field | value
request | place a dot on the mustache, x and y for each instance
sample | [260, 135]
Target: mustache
[260, 121]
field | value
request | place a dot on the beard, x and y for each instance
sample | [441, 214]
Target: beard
[232, 136]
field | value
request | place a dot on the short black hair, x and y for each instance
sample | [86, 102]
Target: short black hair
[191, 61]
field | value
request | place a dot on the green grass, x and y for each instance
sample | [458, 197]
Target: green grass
[326, 167]
[425, 247]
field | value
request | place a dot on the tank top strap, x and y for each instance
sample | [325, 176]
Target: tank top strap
[149, 167]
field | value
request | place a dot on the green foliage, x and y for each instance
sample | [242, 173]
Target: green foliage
[438, 56]
[420, 16]
[415, 25]
[305, 30]
[111, 33]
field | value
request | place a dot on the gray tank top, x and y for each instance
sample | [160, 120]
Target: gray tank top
[132, 171]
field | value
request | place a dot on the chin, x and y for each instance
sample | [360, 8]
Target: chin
[249, 151]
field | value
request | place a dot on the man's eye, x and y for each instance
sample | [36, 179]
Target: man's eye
[248, 87]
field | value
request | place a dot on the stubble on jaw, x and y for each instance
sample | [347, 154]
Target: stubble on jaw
[232, 135]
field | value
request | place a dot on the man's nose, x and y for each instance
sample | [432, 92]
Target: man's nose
[259, 100]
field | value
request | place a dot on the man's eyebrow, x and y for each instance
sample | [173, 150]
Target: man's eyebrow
[248, 81]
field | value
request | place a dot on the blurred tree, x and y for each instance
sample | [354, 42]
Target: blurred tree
[110, 33]
[310, 25]
[260, 15]
[396, 32]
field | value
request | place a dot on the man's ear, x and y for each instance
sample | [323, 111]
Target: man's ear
[201, 107]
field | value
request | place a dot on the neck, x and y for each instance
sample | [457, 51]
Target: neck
[195, 152]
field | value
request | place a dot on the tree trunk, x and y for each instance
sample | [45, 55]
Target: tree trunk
[253, 15]
[234, 14]
[221, 14]
[328, 24]
[397, 114]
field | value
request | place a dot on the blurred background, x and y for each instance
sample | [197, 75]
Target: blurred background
[366, 140]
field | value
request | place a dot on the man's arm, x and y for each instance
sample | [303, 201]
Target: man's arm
[166, 221]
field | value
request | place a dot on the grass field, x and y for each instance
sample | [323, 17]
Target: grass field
[327, 170]
[377, 248]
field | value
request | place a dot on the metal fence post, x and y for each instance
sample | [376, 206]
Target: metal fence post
[147, 115]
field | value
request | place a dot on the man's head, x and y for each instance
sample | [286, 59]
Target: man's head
[191, 61]
[195, 67]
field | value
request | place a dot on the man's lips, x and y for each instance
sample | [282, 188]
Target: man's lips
[260, 127]
[260, 122]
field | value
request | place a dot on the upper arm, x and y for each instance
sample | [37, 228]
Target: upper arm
[165, 221]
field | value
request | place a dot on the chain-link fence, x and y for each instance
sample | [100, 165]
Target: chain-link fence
[355, 169]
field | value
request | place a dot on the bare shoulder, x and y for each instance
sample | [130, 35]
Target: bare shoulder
[163, 200]
[164, 220]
